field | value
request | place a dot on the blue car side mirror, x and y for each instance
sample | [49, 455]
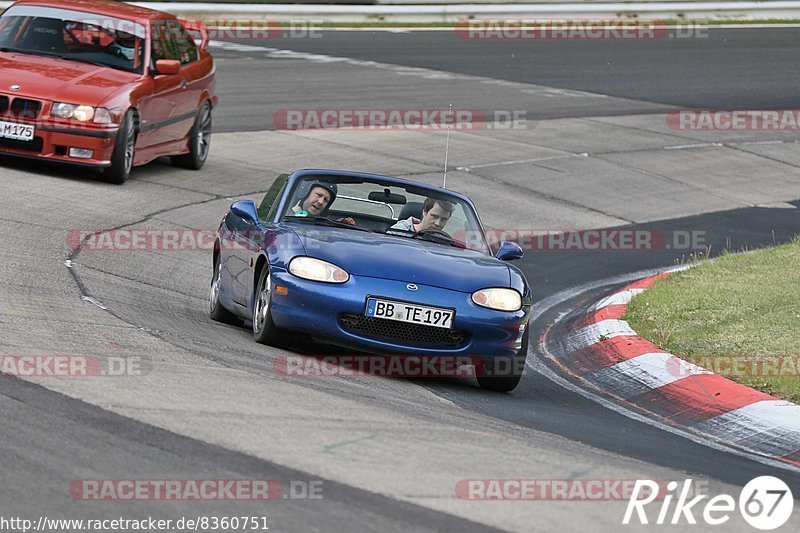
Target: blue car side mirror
[509, 251]
[246, 210]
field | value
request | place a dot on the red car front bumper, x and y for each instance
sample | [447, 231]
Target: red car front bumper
[53, 142]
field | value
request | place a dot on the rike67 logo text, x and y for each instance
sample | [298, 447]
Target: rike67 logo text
[765, 503]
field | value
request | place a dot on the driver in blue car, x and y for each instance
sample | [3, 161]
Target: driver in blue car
[435, 214]
[317, 201]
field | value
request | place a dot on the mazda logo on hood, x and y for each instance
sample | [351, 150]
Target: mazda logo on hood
[412, 287]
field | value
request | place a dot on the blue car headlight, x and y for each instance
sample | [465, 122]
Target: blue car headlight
[317, 270]
[498, 298]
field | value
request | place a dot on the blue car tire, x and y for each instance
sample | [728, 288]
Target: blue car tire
[264, 329]
[216, 311]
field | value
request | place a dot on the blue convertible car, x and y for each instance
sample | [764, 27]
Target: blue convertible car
[373, 263]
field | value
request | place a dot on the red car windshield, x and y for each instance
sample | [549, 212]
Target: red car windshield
[74, 35]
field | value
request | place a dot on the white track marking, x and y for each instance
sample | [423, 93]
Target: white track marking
[771, 426]
[619, 298]
[94, 302]
[643, 373]
[594, 333]
[692, 146]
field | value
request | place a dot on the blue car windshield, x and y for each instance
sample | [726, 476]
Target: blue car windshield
[391, 209]
[75, 36]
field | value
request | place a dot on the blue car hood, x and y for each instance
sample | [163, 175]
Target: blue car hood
[403, 258]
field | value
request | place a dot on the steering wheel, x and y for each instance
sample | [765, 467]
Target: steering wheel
[119, 52]
[438, 232]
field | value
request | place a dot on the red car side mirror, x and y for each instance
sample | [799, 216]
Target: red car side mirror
[168, 67]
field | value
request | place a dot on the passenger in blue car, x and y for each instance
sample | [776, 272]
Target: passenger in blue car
[435, 214]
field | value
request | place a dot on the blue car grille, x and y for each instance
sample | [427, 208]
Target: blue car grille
[414, 335]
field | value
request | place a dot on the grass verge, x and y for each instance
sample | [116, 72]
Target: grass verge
[738, 316]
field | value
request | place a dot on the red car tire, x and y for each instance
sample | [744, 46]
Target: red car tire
[124, 150]
[199, 141]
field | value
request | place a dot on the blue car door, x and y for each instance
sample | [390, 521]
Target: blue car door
[235, 247]
[246, 248]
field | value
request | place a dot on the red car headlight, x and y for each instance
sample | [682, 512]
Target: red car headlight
[81, 113]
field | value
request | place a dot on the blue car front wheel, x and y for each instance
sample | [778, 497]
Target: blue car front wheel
[215, 309]
[264, 329]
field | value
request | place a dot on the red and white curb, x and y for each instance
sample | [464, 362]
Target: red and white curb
[604, 351]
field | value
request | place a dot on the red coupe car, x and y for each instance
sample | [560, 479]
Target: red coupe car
[104, 84]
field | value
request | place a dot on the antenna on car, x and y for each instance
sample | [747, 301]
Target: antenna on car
[446, 148]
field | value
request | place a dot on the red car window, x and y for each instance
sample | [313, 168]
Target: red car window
[164, 46]
[187, 49]
[86, 37]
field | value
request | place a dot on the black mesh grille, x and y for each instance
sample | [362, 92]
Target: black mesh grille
[35, 145]
[402, 332]
[25, 109]
[3, 104]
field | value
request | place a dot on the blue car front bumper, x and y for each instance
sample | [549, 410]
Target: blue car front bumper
[334, 313]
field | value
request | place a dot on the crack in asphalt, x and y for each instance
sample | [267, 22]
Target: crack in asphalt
[176, 187]
[764, 156]
[145, 283]
[83, 289]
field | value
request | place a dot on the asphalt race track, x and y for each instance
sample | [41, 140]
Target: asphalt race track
[596, 151]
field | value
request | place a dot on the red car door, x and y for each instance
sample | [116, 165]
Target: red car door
[197, 70]
[160, 120]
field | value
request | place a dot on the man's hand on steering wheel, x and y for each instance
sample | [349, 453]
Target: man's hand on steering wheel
[434, 231]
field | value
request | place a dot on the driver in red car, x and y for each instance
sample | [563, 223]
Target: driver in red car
[435, 214]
